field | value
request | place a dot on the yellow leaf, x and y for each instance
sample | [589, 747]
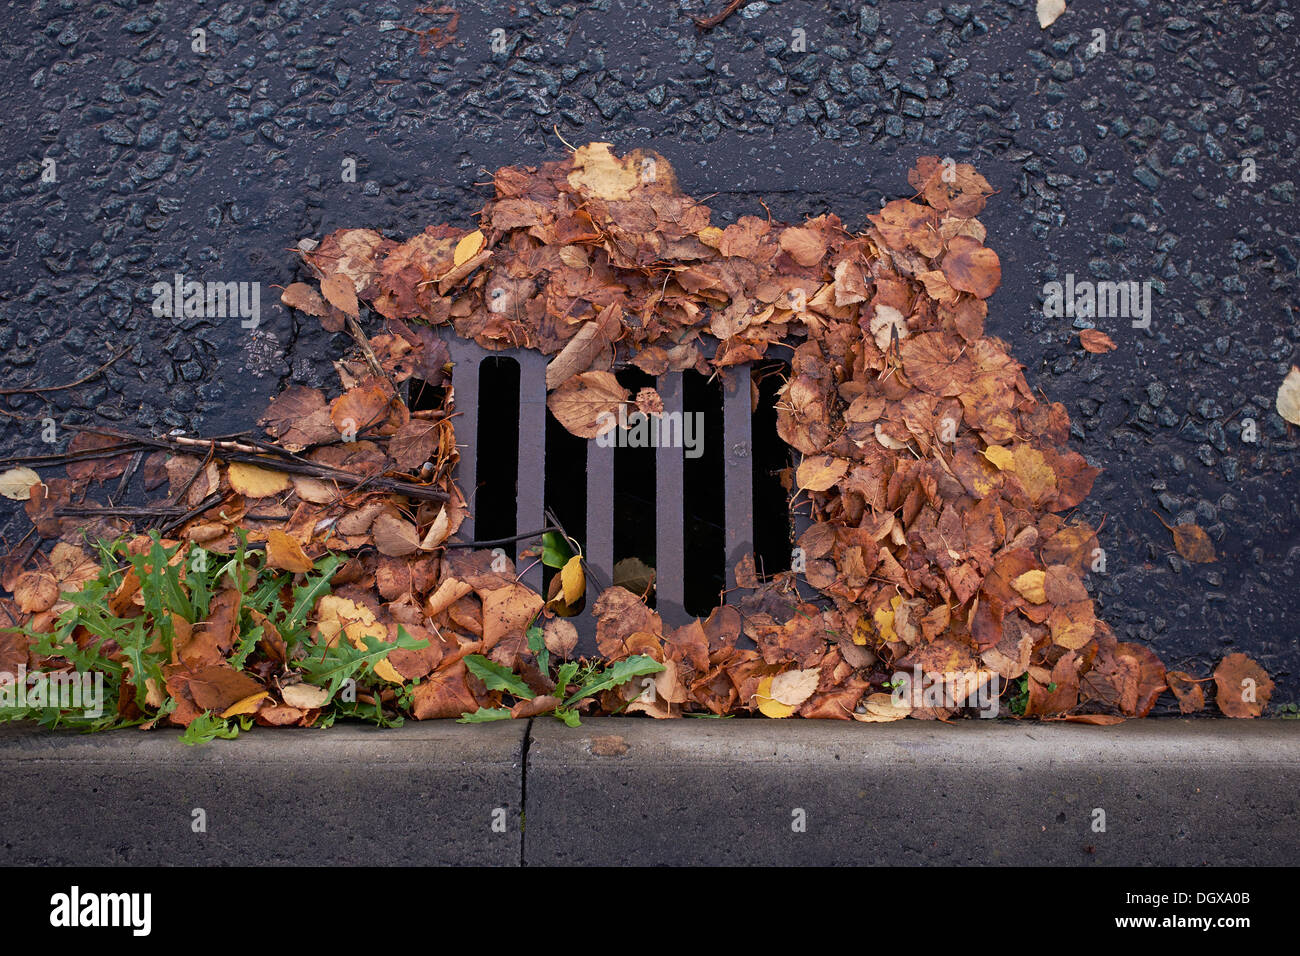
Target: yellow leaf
[1035, 474]
[249, 705]
[388, 672]
[999, 456]
[357, 622]
[1030, 586]
[710, 236]
[574, 581]
[284, 552]
[468, 247]
[820, 472]
[254, 482]
[598, 172]
[768, 705]
[884, 618]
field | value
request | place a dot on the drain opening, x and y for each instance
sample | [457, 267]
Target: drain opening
[565, 488]
[773, 459]
[704, 500]
[634, 500]
[421, 395]
[497, 444]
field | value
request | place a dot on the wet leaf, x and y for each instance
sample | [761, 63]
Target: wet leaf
[1193, 543]
[1243, 688]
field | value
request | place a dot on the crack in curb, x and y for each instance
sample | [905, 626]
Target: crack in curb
[523, 790]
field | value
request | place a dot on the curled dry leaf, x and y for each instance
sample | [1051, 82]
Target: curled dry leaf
[304, 696]
[301, 296]
[587, 404]
[1288, 396]
[882, 708]
[1049, 11]
[16, 483]
[1187, 689]
[1096, 342]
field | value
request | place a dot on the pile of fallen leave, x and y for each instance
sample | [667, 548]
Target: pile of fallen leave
[317, 572]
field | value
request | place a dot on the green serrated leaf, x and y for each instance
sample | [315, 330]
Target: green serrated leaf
[484, 715]
[619, 673]
[497, 676]
[537, 644]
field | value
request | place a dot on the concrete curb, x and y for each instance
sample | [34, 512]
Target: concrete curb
[422, 794]
[628, 791]
[1175, 792]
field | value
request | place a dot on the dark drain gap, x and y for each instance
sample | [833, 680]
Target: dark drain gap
[566, 484]
[705, 550]
[772, 456]
[634, 490]
[498, 449]
[422, 395]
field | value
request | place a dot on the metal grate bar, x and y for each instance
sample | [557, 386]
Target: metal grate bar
[738, 464]
[530, 486]
[465, 357]
[600, 531]
[670, 516]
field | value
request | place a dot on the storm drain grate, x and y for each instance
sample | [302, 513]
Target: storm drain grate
[616, 507]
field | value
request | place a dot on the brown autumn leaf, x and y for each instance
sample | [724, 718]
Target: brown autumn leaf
[415, 443]
[1096, 342]
[1193, 543]
[341, 293]
[1243, 688]
[301, 296]
[805, 246]
[972, 267]
[587, 404]
[394, 536]
[298, 417]
[358, 408]
[1187, 689]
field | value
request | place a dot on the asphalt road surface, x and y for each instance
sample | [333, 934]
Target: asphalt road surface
[1169, 156]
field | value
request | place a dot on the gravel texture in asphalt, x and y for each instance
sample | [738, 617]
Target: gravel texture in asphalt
[1169, 156]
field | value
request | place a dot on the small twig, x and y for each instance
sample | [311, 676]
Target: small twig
[708, 23]
[494, 542]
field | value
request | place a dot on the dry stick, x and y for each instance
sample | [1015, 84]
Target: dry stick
[708, 23]
[359, 336]
[30, 390]
[247, 454]
[211, 501]
[127, 474]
